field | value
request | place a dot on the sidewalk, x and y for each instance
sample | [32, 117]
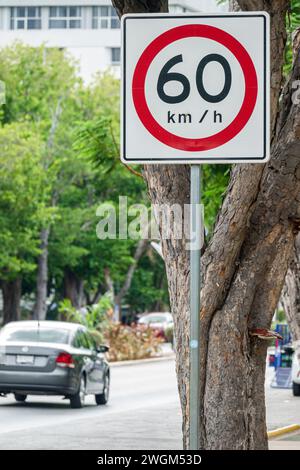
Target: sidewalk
[287, 442]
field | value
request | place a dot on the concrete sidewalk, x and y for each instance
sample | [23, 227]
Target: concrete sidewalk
[288, 442]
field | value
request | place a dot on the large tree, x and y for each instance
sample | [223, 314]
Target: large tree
[24, 191]
[40, 83]
[291, 293]
[245, 263]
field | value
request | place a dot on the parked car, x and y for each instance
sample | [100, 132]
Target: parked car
[160, 322]
[52, 358]
[296, 372]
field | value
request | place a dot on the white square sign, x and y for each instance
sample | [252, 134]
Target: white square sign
[195, 88]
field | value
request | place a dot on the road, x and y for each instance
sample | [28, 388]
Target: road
[143, 413]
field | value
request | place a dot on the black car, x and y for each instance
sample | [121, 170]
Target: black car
[52, 358]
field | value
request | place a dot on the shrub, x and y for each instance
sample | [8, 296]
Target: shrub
[94, 317]
[125, 342]
[131, 342]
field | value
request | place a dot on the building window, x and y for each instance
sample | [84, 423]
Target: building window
[115, 55]
[65, 17]
[105, 18]
[25, 18]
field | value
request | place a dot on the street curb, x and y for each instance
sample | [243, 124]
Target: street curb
[285, 430]
[170, 357]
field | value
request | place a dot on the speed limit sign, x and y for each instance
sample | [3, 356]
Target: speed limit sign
[195, 88]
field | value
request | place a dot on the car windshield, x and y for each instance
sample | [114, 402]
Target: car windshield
[33, 335]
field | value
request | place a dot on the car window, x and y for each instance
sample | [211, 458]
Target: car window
[33, 335]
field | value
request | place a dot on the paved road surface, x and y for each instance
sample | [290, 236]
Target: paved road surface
[143, 413]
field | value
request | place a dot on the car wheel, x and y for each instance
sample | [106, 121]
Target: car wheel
[102, 398]
[77, 400]
[20, 398]
[296, 389]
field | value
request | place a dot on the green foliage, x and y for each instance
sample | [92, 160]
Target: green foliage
[62, 139]
[126, 343]
[36, 78]
[293, 22]
[96, 141]
[149, 290]
[94, 317]
[215, 180]
[97, 138]
[41, 102]
[24, 191]
[280, 316]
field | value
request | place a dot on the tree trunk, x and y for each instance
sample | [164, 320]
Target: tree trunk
[243, 267]
[291, 293]
[139, 251]
[40, 307]
[11, 291]
[73, 289]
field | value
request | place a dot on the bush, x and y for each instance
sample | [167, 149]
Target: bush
[131, 342]
[125, 342]
[94, 317]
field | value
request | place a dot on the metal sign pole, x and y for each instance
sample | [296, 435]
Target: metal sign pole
[195, 258]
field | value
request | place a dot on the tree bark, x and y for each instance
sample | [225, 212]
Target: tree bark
[73, 289]
[290, 297]
[291, 293]
[243, 268]
[11, 291]
[140, 6]
[139, 251]
[40, 307]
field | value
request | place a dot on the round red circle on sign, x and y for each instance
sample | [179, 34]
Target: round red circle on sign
[141, 70]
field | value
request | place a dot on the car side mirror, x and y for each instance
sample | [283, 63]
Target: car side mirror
[102, 348]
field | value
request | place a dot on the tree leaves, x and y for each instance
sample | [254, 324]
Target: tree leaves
[23, 194]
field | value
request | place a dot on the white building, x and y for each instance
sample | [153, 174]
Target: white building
[88, 29]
